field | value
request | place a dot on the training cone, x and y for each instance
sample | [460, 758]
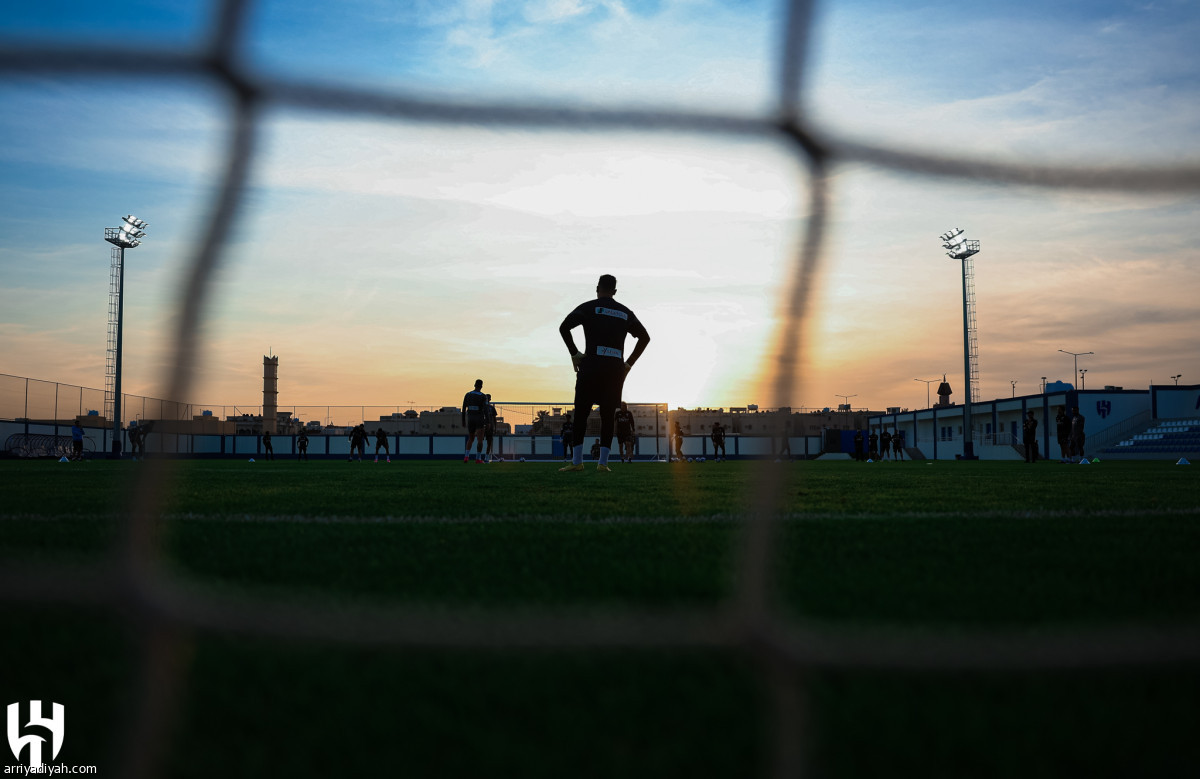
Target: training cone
[1095, 459]
[1183, 461]
[251, 459]
[1084, 461]
[63, 459]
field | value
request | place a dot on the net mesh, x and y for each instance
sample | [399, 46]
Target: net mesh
[163, 611]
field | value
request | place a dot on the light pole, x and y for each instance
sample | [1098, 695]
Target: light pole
[127, 236]
[959, 248]
[927, 383]
[1076, 355]
[847, 399]
[1013, 382]
[1043, 385]
[1083, 378]
[1177, 377]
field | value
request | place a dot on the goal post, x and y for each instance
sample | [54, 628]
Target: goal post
[534, 430]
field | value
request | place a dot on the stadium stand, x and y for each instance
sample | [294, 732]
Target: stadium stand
[1166, 437]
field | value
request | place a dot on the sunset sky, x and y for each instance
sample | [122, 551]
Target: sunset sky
[392, 262]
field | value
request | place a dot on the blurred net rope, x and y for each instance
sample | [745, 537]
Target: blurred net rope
[164, 611]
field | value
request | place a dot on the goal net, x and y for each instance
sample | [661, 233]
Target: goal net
[783, 651]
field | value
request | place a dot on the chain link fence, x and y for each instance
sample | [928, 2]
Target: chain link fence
[24, 398]
[164, 611]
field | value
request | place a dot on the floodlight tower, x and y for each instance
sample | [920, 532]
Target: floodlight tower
[127, 236]
[960, 248]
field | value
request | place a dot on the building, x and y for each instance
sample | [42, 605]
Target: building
[649, 420]
[447, 420]
[1115, 421]
[751, 421]
[252, 424]
[204, 424]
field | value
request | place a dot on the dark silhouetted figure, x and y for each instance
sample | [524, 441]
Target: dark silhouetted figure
[1062, 429]
[489, 426]
[1029, 437]
[568, 433]
[624, 421]
[718, 439]
[602, 365]
[381, 442]
[358, 443]
[474, 419]
[1078, 438]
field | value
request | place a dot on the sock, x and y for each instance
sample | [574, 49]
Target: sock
[604, 455]
[577, 456]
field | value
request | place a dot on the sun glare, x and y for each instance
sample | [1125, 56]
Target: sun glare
[678, 368]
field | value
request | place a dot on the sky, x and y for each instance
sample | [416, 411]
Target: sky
[390, 262]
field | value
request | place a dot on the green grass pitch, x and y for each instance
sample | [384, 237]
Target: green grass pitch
[949, 546]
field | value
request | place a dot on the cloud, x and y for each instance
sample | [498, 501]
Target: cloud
[1044, 84]
[536, 172]
[541, 11]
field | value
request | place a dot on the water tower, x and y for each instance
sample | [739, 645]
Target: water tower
[270, 394]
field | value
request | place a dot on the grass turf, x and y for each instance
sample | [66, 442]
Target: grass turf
[951, 545]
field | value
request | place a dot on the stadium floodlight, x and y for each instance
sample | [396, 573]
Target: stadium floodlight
[128, 236]
[960, 248]
[1076, 355]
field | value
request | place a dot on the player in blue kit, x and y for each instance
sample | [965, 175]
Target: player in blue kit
[602, 365]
